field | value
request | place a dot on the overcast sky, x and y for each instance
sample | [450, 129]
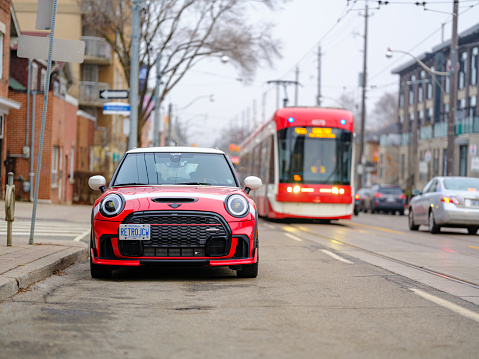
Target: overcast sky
[303, 25]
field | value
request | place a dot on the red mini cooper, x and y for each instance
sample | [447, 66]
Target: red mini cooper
[174, 206]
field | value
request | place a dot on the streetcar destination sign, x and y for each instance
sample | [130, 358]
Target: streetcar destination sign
[113, 94]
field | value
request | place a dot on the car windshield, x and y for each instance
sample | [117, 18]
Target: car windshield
[390, 190]
[174, 168]
[462, 184]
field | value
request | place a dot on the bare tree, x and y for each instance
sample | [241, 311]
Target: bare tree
[183, 32]
[384, 113]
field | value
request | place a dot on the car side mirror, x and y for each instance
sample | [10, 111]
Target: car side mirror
[252, 183]
[97, 183]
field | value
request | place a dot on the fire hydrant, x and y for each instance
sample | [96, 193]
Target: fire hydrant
[10, 207]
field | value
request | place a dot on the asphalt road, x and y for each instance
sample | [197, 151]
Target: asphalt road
[319, 294]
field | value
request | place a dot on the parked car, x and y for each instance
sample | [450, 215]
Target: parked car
[174, 206]
[387, 198]
[361, 199]
[446, 202]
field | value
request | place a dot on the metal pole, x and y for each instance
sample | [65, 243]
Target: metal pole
[32, 151]
[134, 74]
[170, 122]
[28, 102]
[296, 87]
[44, 116]
[452, 94]
[156, 124]
[363, 101]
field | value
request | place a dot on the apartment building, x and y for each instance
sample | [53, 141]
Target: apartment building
[418, 151]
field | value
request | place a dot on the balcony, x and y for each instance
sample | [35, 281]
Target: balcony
[425, 133]
[468, 125]
[90, 93]
[97, 51]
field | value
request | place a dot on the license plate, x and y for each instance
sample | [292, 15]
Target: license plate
[391, 199]
[134, 232]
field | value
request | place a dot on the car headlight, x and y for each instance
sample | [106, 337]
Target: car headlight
[112, 205]
[237, 205]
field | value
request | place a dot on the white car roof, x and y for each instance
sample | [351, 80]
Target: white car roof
[175, 149]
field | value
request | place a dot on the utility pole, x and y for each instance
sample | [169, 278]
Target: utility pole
[363, 101]
[318, 97]
[452, 93]
[134, 74]
[285, 83]
[156, 123]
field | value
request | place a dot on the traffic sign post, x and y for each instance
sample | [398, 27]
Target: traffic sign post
[113, 94]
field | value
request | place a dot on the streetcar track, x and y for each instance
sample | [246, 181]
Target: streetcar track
[382, 256]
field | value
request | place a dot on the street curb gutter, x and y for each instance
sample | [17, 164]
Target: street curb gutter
[22, 277]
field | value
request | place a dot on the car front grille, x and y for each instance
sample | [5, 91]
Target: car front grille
[173, 234]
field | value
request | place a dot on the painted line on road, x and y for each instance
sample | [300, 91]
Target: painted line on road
[270, 226]
[293, 237]
[448, 305]
[473, 247]
[374, 227]
[335, 256]
[81, 236]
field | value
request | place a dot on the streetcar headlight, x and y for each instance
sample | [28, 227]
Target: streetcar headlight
[237, 205]
[112, 205]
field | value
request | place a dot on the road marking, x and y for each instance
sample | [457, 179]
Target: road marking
[81, 236]
[270, 226]
[473, 247]
[293, 237]
[335, 256]
[374, 227]
[448, 305]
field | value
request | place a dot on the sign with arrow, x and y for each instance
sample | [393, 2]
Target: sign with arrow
[113, 94]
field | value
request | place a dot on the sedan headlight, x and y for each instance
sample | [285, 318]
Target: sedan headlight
[237, 205]
[112, 205]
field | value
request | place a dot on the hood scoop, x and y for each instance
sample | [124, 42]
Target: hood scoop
[174, 200]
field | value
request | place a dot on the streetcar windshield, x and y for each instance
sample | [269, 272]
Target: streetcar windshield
[315, 155]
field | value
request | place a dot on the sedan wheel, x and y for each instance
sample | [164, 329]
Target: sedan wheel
[412, 225]
[472, 229]
[433, 227]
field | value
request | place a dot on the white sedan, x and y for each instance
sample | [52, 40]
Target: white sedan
[446, 202]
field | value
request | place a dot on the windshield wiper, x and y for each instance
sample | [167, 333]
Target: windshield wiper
[195, 183]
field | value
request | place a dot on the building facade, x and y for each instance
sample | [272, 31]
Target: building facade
[419, 151]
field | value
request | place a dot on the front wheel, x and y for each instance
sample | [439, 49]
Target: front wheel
[249, 270]
[412, 225]
[433, 227]
[99, 271]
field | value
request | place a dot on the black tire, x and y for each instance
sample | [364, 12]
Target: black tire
[472, 229]
[412, 225]
[356, 211]
[401, 213]
[249, 270]
[433, 227]
[99, 271]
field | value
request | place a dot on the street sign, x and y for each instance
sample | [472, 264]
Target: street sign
[113, 94]
[37, 47]
[116, 108]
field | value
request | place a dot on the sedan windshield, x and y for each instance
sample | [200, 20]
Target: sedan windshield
[174, 168]
[462, 184]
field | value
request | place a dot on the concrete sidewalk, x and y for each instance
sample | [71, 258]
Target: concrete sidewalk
[23, 264]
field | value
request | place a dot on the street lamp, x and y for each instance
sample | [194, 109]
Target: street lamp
[451, 119]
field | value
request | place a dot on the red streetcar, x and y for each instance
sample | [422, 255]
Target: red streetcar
[174, 206]
[304, 156]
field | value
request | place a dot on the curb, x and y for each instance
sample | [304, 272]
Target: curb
[22, 277]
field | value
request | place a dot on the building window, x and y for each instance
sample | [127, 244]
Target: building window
[447, 84]
[445, 112]
[429, 88]
[473, 72]
[420, 93]
[472, 106]
[411, 90]
[463, 160]
[55, 166]
[43, 78]
[401, 101]
[462, 71]
[1, 127]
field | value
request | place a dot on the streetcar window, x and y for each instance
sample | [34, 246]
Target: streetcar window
[315, 159]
